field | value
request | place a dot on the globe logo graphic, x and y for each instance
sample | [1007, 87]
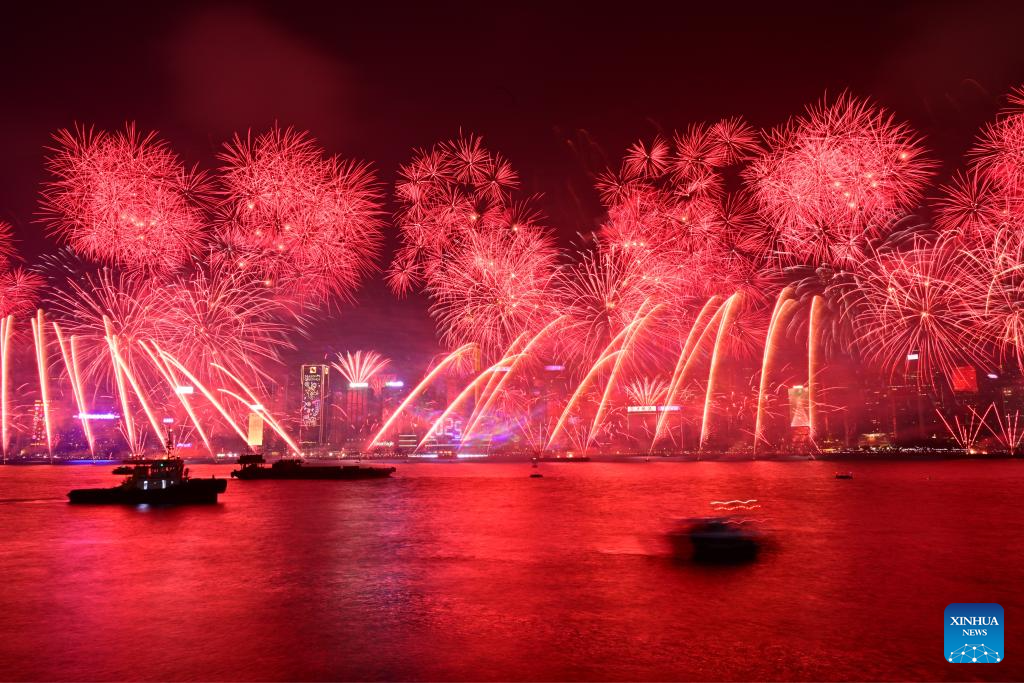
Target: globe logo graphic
[973, 654]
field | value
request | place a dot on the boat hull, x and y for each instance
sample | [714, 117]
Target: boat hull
[191, 492]
[347, 472]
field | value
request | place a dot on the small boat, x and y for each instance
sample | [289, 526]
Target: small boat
[154, 482]
[536, 475]
[253, 467]
[715, 540]
[123, 469]
[567, 458]
[844, 475]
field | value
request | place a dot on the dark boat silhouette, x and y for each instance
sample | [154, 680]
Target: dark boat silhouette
[253, 467]
[715, 540]
[154, 482]
[844, 475]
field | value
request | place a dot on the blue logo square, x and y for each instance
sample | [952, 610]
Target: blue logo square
[974, 633]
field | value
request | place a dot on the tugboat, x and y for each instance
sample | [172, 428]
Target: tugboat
[253, 467]
[154, 482]
[161, 481]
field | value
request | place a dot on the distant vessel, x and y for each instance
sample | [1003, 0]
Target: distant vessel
[154, 482]
[715, 539]
[844, 475]
[567, 458]
[253, 467]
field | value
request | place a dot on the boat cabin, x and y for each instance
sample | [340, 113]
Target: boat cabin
[156, 474]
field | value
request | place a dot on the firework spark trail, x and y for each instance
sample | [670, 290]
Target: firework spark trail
[6, 330]
[783, 306]
[258, 409]
[693, 356]
[206, 392]
[137, 388]
[262, 411]
[127, 421]
[167, 372]
[729, 306]
[608, 355]
[612, 350]
[646, 391]
[684, 358]
[42, 363]
[360, 367]
[609, 386]
[463, 395]
[454, 356]
[965, 433]
[68, 354]
[1011, 431]
[505, 376]
[813, 365]
[494, 385]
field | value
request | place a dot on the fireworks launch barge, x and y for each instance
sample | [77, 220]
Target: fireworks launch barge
[253, 467]
[154, 482]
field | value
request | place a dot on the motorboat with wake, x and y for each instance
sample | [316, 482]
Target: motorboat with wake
[715, 540]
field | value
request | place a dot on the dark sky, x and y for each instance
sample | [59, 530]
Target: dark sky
[556, 89]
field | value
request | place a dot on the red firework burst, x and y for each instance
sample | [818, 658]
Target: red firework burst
[974, 206]
[999, 154]
[915, 310]
[19, 292]
[124, 198]
[128, 300]
[198, 319]
[448, 193]
[599, 295]
[304, 223]
[494, 288]
[6, 244]
[836, 176]
[672, 226]
[232, 321]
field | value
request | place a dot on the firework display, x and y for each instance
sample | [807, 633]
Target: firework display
[124, 198]
[302, 222]
[732, 268]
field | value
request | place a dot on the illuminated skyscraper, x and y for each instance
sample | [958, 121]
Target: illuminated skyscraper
[357, 401]
[38, 424]
[313, 411]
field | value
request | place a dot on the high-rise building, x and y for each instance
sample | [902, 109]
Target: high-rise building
[357, 405]
[38, 424]
[315, 381]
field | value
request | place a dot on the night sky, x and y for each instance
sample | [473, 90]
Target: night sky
[560, 91]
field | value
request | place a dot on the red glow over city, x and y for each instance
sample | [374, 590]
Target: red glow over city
[420, 246]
